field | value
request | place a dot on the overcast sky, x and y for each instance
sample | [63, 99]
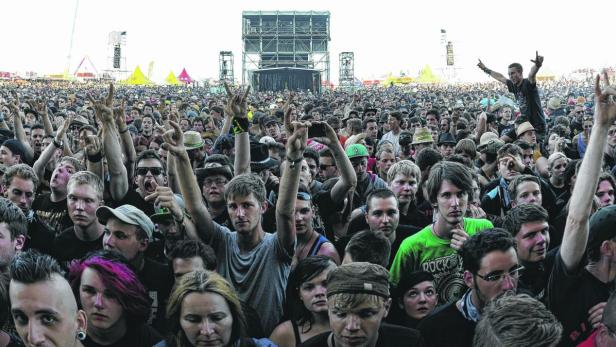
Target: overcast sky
[386, 36]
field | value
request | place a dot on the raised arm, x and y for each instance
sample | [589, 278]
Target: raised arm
[128, 146]
[47, 153]
[18, 129]
[118, 177]
[575, 235]
[94, 156]
[236, 114]
[497, 76]
[348, 178]
[189, 188]
[289, 185]
[41, 108]
[533, 71]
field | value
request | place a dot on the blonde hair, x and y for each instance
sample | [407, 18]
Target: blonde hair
[202, 281]
[403, 167]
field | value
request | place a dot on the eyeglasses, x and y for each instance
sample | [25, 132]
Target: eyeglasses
[362, 162]
[499, 277]
[142, 171]
[303, 196]
[218, 182]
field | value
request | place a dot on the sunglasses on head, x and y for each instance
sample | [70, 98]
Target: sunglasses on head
[303, 196]
[142, 171]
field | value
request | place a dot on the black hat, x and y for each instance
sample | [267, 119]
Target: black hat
[601, 227]
[223, 142]
[446, 138]
[259, 157]
[409, 281]
[269, 120]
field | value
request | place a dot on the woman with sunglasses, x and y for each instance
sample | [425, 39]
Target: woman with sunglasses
[117, 305]
[306, 304]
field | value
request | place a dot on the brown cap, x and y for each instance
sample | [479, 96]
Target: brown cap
[356, 278]
[524, 127]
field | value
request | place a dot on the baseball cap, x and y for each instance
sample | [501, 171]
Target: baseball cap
[358, 278]
[601, 227]
[356, 150]
[128, 214]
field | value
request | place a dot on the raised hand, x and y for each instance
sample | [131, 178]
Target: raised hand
[288, 127]
[237, 105]
[538, 59]
[174, 140]
[604, 101]
[104, 108]
[164, 198]
[298, 140]
[481, 65]
[93, 145]
[119, 115]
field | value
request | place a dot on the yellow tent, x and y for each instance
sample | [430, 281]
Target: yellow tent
[172, 80]
[395, 80]
[546, 75]
[137, 78]
[427, 76]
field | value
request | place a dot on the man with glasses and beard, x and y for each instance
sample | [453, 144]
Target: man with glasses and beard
[491, 268]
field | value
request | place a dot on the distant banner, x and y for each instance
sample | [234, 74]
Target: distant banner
[450, 54]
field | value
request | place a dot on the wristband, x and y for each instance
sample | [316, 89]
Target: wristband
[292, 162]
[239, 125]
[57, 144]
[123, 131]
[487, 71]
[95, 158]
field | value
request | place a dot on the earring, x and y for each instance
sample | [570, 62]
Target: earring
[81, 335]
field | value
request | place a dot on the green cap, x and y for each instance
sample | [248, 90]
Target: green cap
[356, 150]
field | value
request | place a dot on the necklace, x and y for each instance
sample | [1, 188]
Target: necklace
[300, 251]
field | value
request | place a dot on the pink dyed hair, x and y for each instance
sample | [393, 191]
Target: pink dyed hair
[120, 280]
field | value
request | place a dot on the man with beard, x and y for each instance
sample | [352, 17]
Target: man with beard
[19, 184]
[434, 248]
[85, 195]
[491, 268]
[385, 158]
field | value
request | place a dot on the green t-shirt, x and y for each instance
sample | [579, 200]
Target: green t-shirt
[427, 252]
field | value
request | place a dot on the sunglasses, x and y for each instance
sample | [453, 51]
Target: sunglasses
[303, 196]
[324, 166]
[142, 171]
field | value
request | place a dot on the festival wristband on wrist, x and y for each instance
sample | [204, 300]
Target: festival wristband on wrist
[293, 162]
[95, 158]
[239, 125]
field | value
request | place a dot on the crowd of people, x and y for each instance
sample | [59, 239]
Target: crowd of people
[424, 215]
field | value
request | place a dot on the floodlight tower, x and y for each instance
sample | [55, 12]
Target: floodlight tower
[225, 67]
[347, 69]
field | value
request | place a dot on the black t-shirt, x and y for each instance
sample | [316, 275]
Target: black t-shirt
[40, 236]
[527, 96]
[132, 198]
[158, 280]
[389, 336]
[140, 336]
[54, 214]
[67, 246]
[447, 327]
[534, 278]
[570, 294]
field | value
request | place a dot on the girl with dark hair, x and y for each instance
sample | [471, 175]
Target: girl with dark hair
[413, 299]
[306, 305]
[116, 303]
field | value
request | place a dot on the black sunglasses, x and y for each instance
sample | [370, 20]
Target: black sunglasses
[142, 171]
